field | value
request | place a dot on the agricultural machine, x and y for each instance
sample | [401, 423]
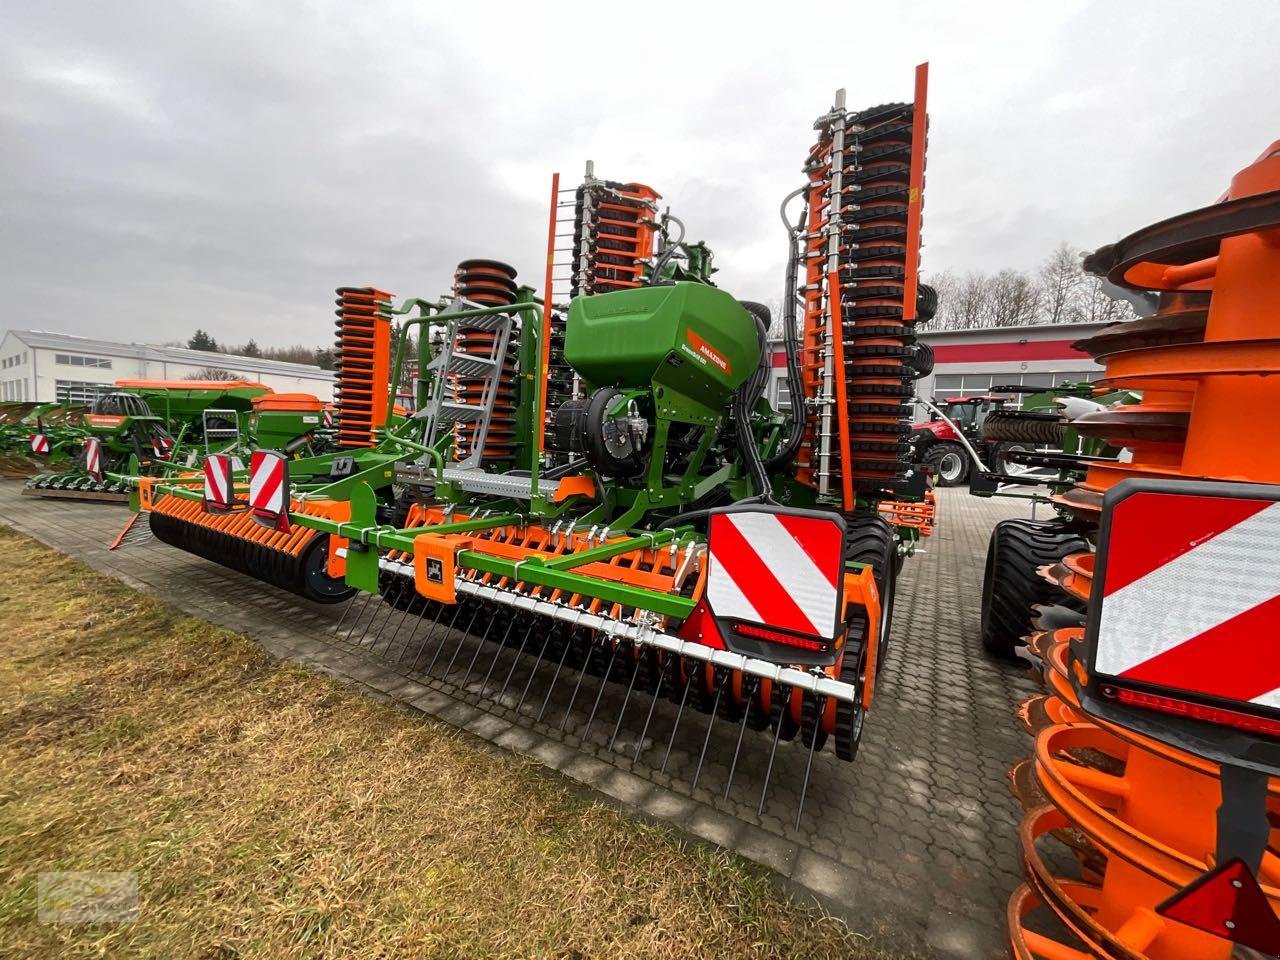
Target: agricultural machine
[141, 427]
[1157, 743]
[967, 436]
[590, 483]
[32, 434]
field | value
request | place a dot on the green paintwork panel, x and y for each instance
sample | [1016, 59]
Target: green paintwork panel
[189, 404]
[273, 429]
[362, 565]
[693, 338]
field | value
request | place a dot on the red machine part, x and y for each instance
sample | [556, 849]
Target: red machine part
[363, 364]
[614, 234]
[1140, 815]
[876, 214]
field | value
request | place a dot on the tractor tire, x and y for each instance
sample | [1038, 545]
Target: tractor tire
[926, 303]
[948, 462]
[870, 540]
[1011, 583]
[998, 457]
[1024, 426]
[921, 359]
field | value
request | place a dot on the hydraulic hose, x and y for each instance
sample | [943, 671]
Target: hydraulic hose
[744, 401]
[791, 343]
[655, 275]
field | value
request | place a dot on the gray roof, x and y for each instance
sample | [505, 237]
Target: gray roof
[200, 358]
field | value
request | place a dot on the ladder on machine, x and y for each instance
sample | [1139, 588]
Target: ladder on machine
[444, 409]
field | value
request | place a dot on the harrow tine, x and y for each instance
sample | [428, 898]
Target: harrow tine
[417, 623]
[392, 607]
[368, 598]
[688, 682]
[546, 642]
[568, 642]
[808, 767]
[514, 660]
[742, 728]
[613, 656]
[343, 619]
[582, 672]
[414, 601]
[457, 611]
[711, 722]
[391, 615]
[382, 603]
[479, 646]
[635, 672]
[653, 703]
[768, 770]
[462, 640]
[497, 654]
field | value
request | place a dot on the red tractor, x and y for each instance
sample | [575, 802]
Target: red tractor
[936, 446]
[991, 428]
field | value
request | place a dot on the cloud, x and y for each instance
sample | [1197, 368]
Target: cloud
[168, 166]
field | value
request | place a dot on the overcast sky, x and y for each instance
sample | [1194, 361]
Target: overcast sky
[168, 165]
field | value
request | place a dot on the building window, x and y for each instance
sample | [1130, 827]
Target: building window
[76, 360]
[75, 391]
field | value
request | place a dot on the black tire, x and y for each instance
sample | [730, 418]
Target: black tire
[405, 499]
[1011, 583]
[921, 360]
[926, 303]
[595, 443]
[872, 541]
[998, 456]
[948, 462]
[1025, 426]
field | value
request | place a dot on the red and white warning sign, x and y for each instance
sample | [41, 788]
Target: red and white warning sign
[1190, 594]
[40, 444]
[269, 489]
[776, 568]
[217, 483]
[93, 458]
[161, 447]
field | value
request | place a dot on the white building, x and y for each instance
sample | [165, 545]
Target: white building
[971, 362]
[57, 367]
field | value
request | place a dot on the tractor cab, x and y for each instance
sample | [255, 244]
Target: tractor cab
[967, 413]
[936, 445]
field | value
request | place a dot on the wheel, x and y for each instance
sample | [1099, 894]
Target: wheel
[1011, 583]
[999, 458]
[926, 303]
[921, 360]
[1024, 426]
[871, 540]
[611, 445]
[948, 462]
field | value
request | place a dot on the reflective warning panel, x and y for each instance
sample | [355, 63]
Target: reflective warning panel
[777, 568]
[269, 489]
[1185, 611]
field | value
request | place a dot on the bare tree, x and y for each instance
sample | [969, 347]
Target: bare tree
[945, 283]
[971, 304]
[212, 373]
[1060, 279]
[1093, 305]
[1014, 299]
[1059, 291]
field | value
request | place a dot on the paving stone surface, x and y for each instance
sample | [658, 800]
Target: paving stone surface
[914, 844]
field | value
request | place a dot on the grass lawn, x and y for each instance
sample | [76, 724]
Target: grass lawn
[269, 812]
